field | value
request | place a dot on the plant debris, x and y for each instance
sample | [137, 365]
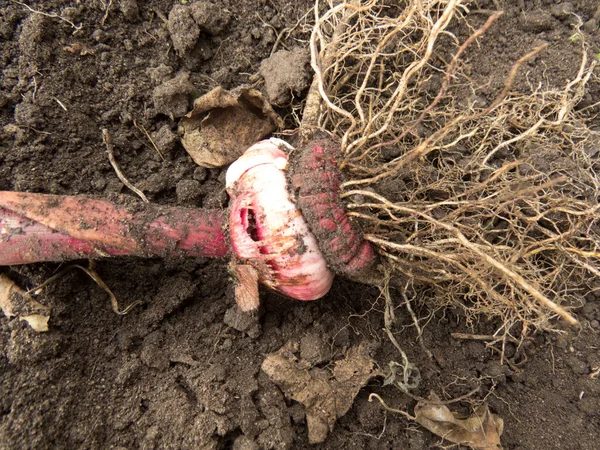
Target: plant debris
[246, 286]
[481, 430]
[223, 124]
[326, 395]
[15, 302]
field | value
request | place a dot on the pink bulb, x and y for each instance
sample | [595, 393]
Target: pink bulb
[266, 229]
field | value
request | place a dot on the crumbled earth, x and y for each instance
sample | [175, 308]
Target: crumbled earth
[183, 370]
[285, 73]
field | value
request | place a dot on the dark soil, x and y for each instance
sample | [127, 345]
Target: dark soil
[182, 371]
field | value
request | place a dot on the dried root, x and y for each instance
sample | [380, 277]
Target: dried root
[495, 205]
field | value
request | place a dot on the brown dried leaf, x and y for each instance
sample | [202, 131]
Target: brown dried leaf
[326, 395]
[15, 302]
[246, 286]
[223, 124]
[38, 322]
[77, 48]
[481, 430]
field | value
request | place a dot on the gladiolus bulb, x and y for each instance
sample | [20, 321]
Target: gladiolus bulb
[268, 232]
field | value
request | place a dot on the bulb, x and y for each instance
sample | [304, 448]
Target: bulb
[268, 232]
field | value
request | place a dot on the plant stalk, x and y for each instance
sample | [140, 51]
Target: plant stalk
[39, 227]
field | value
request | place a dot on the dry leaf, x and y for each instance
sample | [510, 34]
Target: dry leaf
[481, 430]
[325, 395]
[38, 322]
[78, 49]
[246, 286]
[15, 302]
[223, 124]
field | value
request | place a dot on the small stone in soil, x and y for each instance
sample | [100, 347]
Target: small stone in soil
[590, 26]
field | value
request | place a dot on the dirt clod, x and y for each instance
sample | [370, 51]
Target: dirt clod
[563, 10]
[183, 29]
[285, 72]
[245, 443]
[537, 21]
[165, 139]
[314, 348]
[153, 354]
[28, 114]
[188, 192]
[187, 22]
[159, 74]
[130, 10]
[245, 322]
[36, 29]
[172, 98]
[209, 17]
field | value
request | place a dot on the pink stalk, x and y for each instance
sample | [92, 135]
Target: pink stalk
[38, 227]
[24, 241]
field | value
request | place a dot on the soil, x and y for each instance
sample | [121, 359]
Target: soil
[183, 370]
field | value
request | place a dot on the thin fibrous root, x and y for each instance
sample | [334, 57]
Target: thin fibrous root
[94, 276]
[493, 205]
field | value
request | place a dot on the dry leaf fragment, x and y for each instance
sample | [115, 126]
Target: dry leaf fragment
[15, 302]
[223, 124]
[481, 430]
[325, 395]
[246, 286]
[38, 322]
[77, 48]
